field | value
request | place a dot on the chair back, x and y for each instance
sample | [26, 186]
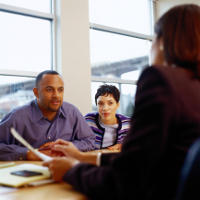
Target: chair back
[189, 183]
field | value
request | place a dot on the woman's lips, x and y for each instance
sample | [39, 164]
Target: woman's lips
[105, 114]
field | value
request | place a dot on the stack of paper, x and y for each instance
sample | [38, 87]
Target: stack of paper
[6, 178]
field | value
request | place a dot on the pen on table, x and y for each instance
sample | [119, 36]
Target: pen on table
[45, 148]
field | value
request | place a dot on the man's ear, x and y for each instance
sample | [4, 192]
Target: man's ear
[35, 92]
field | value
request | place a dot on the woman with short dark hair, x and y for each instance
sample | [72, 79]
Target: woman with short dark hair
[110, 128]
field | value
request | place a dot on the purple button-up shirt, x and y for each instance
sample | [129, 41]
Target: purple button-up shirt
[28, 120]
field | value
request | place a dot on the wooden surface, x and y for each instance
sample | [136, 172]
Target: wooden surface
[51, 191]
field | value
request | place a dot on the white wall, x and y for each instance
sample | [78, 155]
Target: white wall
[73, 57]
[163, 5]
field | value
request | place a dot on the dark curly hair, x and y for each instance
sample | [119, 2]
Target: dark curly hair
[105, 90]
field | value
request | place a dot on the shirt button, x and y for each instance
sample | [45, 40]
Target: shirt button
[49, 138]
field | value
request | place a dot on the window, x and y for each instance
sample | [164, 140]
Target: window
[121, 32]
[130, 15]
[27, 36]
[28, 46]
[117, 56]
[15, 91]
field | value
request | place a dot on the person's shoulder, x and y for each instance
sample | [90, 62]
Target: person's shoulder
[152, 70]
[70, 110]
[67, 105]
[22, 109]
[91, 119]
[124, 118]
[156, 75]
[124, 121]
[160, 71]
[91, 115]
[19, 112]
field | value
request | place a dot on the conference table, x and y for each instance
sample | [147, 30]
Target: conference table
[50, 191]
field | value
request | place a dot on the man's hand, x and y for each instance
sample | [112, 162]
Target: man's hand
[71, 152]
[46, 149]
[31, 156]
[59, 166]
[116, 147]
[45, 145]
[66, 148]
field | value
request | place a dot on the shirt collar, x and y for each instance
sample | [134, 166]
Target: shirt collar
[61, 113]
[38, 115]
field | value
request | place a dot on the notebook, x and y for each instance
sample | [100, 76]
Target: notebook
[8, 179]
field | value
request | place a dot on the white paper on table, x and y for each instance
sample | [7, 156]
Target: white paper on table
[7, 164]
[33, 166]
[41, 182]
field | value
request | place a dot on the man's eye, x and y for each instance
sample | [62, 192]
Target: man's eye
[60, 90]
[49, 90]
[110, 103]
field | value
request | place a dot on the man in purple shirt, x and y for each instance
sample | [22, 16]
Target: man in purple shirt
[44, 120]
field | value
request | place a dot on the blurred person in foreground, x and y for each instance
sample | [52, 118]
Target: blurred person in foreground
[166, 121]
[109, 128]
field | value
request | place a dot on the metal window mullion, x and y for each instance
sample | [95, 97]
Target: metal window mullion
[26, 12]
[53, 28]
[154, 12]
[152, 15]
[6, 72]
[113, 80]
[120, 31]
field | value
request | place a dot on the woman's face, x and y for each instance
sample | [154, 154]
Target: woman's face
[107, 107]
[157, 52]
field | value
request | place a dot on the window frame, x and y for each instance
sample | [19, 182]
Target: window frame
[123, 32]
[34, 14]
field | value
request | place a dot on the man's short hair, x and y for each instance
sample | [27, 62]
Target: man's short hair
[105, 90]
[40, 75]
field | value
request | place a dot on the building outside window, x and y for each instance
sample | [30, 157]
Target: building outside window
[27, 42]
[121, 32]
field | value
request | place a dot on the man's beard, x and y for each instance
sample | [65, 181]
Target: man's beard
[54, 110]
